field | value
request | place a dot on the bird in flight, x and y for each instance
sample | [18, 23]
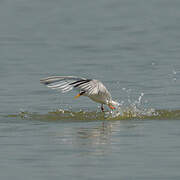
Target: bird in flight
[92, 88]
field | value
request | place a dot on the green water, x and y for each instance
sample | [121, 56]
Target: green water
[132, 47]
[84, 116]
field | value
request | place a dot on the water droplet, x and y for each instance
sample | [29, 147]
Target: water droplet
[174, 72]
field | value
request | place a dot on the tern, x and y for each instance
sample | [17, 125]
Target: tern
[92, 88]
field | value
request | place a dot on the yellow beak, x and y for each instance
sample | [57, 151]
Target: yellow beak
[78, 95]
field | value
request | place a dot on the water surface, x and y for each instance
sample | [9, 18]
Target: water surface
[133, 47]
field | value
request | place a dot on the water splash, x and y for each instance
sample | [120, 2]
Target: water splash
[175, 75]
[86, 116]
[131, 109]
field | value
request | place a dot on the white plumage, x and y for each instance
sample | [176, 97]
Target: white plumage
[92, 88]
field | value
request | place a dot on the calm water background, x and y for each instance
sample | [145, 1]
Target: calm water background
[132, 46]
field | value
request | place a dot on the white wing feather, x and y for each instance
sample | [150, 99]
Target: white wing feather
[92, 88]
[67, 83]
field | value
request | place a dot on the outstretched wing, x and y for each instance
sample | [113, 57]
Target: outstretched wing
[67, 83]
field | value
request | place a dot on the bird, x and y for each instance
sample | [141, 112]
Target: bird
[92, 88]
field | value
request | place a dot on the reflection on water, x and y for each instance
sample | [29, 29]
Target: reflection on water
[48, 144]
[98, 147]
[94, 140]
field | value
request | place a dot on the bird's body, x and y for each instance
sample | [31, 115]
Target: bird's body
[92, 88]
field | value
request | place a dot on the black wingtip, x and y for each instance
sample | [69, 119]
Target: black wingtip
[80, 82]
[42, 81]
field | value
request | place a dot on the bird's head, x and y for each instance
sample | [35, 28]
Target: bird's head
[113, 104]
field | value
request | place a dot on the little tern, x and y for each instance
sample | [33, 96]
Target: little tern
[92, 88]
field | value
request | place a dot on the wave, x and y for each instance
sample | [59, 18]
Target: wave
[120, 114]
[127, 110]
